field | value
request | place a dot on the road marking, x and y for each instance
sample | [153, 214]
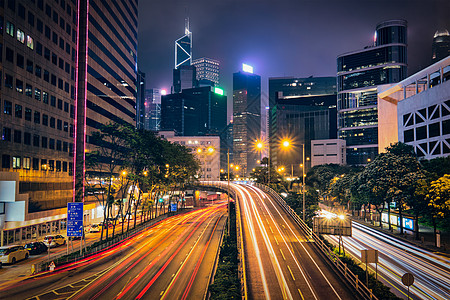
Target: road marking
[290, 271]
[271, 229]
[173, 274]
[276, 240]
[161, 293]
[301, 295]
[282, 254]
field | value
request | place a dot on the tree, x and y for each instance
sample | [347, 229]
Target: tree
[439, 199]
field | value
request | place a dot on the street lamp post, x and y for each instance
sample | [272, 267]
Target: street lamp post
[303, 177]
[228, 189]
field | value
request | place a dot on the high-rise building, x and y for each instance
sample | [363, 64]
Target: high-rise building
[140, 101]
[441, 45]
[207, 71]
[39, 50]
[184, 78]
[107, 72]
[194, 112]
[183, 48]
[302, 110]
[153, 109]
[246, 119]
[359, 74]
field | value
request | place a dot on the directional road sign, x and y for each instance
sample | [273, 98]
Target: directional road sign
[75, 219]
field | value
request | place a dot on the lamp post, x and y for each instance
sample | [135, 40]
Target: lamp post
[228, 190]
[286, 144]
[260, 146]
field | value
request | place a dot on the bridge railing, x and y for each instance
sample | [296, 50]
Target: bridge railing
[348, 275]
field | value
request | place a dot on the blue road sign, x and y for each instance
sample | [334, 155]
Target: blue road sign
[75, 219]
[173, 207]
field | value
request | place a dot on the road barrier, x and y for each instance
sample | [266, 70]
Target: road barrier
[350, 278]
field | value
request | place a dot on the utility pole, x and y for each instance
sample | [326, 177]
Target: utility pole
[303, 176]
[228, 187]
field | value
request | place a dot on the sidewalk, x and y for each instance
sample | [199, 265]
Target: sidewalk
[426, 235]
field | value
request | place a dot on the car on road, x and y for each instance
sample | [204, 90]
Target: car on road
[12, 254]
[94, 228]
[54, 240]
[35, 248]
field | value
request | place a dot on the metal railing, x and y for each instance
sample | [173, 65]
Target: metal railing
[350, 278]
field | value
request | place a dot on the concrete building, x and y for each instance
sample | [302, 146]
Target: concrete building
[359, 74]
[205, 148]
[246, 119]
[328, 152]
[207, 71]
[416, 111]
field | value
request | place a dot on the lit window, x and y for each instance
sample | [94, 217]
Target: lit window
[26, 163]
[10, 28]
[20, 36]
[30, 42]
[16, 162]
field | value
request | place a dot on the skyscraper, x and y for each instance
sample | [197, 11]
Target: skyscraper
[207, 71]
[303, 109]
[184, 78]
[107, 72]
[194, 112]
[183, 48]
[359, 73]
[153, 109]
[37, 99]
[140, 100]
[246, 118]
[441, 45]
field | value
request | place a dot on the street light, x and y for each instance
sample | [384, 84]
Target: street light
[286, 144]
[259, 146]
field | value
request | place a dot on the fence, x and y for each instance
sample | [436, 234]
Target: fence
[351, 278]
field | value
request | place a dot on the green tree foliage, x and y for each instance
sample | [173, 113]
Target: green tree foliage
[437, 167]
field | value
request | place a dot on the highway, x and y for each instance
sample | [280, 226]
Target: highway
[431, 271]
[171, 260]
[280, 261]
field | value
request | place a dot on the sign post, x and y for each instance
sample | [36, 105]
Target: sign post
[367, 257]
[75, 221]
[408, 280]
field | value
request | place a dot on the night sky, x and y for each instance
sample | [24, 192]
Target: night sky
[278, 37]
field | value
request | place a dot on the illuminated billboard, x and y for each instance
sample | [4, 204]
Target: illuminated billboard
[218, 91]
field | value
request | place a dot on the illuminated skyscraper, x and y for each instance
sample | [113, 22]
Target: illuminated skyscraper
[183, 48]
[207, 71]
[246, 119]
[359, 74]
[441, 45]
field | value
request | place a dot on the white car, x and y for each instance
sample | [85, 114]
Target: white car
[12, 254]
[94, 228]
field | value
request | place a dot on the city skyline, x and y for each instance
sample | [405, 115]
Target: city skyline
[287, 39]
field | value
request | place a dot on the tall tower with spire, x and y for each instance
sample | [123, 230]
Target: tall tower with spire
[183, 48]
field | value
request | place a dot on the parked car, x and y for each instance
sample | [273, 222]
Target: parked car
[54, 240]
[36, 248]
[12, 254]
[94, 228]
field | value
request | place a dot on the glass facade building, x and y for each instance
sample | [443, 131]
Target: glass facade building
[301, 110]
[358, 75]
[183, 48]
[194, 112]
[246, 120]
[441, 45]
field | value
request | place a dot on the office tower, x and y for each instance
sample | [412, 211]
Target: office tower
[194, 112]
[207, 71]
[153, 109]
[302, 110]
[184, 78]
[140, 100]
[441, 45]
[37, 99]
[183, 48]
[107, 73]
[359, 74]
[246, 119]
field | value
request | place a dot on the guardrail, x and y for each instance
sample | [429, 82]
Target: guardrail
[63, 258]
[351, 278]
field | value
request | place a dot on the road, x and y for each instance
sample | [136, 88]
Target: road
[171, 260]
[280, 261]
[431, 271]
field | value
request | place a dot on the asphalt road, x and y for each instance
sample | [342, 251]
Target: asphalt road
[171, 260]
[431, 270]
[280, 261]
